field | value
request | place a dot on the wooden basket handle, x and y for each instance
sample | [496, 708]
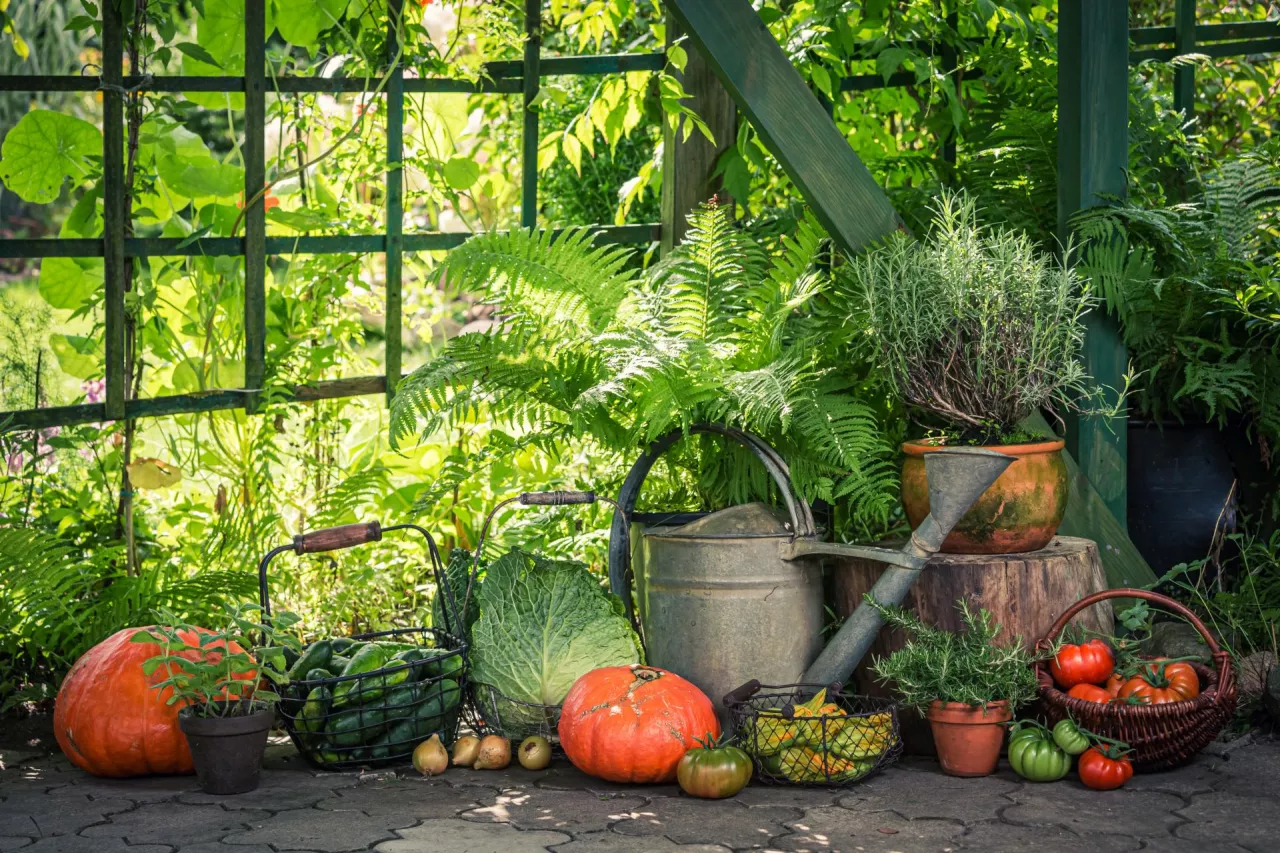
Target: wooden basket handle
[1220, 657]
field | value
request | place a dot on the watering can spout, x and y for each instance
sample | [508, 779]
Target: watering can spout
[957, 478]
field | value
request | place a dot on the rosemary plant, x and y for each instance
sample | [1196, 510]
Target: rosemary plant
[974, 324]
[963, 667]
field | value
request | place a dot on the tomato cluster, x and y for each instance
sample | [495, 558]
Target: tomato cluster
[1040, 755]
[1088, 671]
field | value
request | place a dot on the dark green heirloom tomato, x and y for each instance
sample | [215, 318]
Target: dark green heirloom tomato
[1035, 757]
[1068, 736]
[714, 772]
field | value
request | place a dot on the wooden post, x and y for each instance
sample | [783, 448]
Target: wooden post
[1093, 137]
[687, 164]
[1184, 42]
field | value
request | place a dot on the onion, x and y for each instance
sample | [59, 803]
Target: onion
[430, 757]
[465, 750]
[495, 753]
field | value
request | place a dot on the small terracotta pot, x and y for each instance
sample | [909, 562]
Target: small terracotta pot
[1019, 512]
[968, 737]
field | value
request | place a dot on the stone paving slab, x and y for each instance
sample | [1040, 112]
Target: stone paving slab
[1228, 801]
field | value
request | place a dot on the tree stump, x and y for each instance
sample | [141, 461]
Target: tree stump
[1025, 592]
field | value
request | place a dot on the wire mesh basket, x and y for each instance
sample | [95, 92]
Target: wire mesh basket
[494, 713]
[378, 717]
[369, 700]
[808, 734]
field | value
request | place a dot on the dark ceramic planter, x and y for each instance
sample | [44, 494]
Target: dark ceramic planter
[227, 751]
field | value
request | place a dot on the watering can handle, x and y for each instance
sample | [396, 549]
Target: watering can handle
[620, 534]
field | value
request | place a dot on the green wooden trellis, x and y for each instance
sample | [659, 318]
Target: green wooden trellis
[519, 77]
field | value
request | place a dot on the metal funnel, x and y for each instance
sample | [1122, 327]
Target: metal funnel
[957, 477]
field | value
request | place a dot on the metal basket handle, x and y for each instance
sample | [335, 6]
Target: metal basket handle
[1220, 657]
[349, 536]
[620, 532]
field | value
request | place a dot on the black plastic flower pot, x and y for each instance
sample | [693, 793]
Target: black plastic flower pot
[228, 751]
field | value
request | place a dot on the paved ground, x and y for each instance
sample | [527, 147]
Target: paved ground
[1227, 802]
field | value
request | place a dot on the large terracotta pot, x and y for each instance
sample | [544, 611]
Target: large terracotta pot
[969, 737]
[1021, 510]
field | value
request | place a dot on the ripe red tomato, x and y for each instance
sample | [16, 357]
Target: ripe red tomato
[1101, 772]
[1162, 681]
[1090, 693]
[1086, 663]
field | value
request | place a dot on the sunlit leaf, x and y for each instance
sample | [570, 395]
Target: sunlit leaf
[146, 473]
[43, 150]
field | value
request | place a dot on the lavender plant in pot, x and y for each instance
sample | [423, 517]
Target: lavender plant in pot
[966, 685]
[221, 678]
[977, 329]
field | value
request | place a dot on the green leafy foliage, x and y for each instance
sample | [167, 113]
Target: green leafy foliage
[724, 330]
[1192, 283]
[222, 672]
[968, 666]
[543, 624]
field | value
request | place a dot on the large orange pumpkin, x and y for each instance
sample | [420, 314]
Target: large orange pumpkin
[634, 723]
[108, 718]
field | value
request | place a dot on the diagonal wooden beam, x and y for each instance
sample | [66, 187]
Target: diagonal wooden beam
[790, 120]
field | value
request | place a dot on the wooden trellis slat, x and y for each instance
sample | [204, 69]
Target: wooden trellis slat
[394, 199]
[255, 213]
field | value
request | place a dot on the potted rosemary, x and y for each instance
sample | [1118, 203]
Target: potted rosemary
[977, 329]
[966, 685]
[227, 707]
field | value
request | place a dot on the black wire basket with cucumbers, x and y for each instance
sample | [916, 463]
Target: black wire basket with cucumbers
[369, 700]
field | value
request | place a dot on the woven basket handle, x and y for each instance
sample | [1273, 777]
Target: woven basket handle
[1220, 657]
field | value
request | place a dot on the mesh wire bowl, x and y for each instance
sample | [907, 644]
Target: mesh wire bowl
[376, 718]
[494, 713]
[837, 741]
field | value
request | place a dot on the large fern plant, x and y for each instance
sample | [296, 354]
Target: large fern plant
[725, 329]
[1194, 285]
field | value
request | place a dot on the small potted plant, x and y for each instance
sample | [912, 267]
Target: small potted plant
[977, 329]
[966, 685]
[227, 707]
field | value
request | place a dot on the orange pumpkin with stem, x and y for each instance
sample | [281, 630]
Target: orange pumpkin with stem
[634, 723]
[108, 718]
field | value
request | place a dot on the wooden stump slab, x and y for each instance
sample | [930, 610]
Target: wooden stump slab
[1025, 592]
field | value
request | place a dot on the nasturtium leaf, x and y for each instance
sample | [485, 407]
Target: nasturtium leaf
[44, 149]
[461, 173]
[67, 283]
[300, 220]
[301, 22]
[200, 179]
[543, 624]
[220, 31]
[147, 473]
[76, 354]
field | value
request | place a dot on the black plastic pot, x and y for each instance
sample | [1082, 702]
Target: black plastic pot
[1179, 482]
[227, 751]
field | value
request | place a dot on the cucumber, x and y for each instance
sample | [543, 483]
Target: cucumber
[316, 655]
[447, 665]
[338, 663]
[401, 702]
[363, 690]
[355, 726]
[311, 717]
[342, 644]
[318, 673]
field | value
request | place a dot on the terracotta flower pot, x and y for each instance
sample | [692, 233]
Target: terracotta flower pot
[1021, 510]
[968, 737]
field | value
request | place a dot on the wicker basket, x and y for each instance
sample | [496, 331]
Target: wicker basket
[1162, 736]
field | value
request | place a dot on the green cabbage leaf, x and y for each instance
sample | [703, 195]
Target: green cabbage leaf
[543, 624]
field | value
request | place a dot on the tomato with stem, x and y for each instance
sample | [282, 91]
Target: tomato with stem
[1161, 681]
[712, 771]
[1082, 663]
[1104, 768]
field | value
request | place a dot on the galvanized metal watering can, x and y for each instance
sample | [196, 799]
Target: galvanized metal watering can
[737, 595]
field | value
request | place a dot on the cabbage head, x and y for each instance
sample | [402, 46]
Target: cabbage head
[543, 624]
